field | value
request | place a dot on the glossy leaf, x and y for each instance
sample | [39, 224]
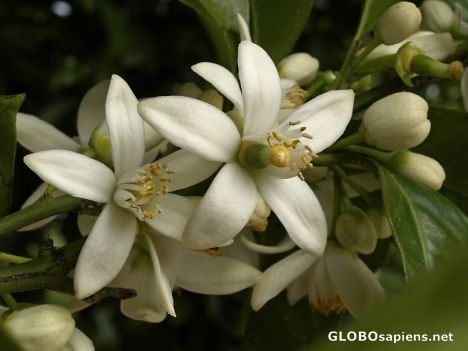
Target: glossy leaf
[277, 24]
[9, 106]
[220, 20]
[448, 144]
[426, 225]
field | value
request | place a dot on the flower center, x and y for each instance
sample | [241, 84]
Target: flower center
[213, 251]
[293, 97]
[332, 304]
[287, 150]
[138, 190]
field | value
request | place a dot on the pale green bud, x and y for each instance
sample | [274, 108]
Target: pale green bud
[420, 168]
[300, 67]
[396, 122]
[355, 230]
[437, 16]
[398, 22]
[41, 328]
[100, 143]
[380, 221]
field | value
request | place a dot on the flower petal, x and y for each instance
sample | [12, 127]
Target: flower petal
[78, 341]
[240, 252]
[126, 128]
[357, 286]
[205, 274]
[298, 288]
[243, 28]
[193, 125]
[223, 80]
[105, 250]
[284, 245]
[73, 173]
[297, 207]
[175, 212]
[37, 135]
[325, 117]
[92, 111]
[278, 276]
[224, 210]
[36, 195]
[188, 168]
[261, 89]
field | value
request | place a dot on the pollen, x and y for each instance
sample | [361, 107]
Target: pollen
[138, 189]
[333, 304]
[280, 156]
[214, 251]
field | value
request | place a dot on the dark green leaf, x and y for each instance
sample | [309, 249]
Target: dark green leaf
[430, 305]
[448, 144]
[277, 24]
[425, 224]
[371, 13]
[220, 20]
[9, 106]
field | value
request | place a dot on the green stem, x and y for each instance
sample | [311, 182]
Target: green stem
[367, 50]
[359, 189]
[376, 154]
[352, 139]
[9, 301]
[6, 257]
[325, 160]
[42, 208]
[376, 64]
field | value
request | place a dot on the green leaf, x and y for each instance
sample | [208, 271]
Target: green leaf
[432, 304]
[277, 24]
[448, 144]
[371, 13]
[425, 224]
[9, 106]
[220, 21]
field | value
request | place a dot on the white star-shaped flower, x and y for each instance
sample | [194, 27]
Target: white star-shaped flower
[131, 192]
[264, 157]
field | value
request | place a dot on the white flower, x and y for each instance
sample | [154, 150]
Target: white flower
[300, 67]
[437, 16]
[46, 328]
[336, 282]
[159, 263]
[435, 45]
[398, 22]
[264, 159]
[130, 192]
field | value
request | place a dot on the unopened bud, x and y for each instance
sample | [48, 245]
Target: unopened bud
[355, 230]
[437, 16]
[300, 67]
[41, 328]
[420, 168]
[100, 143]
[396, 122]
[380, 221]
[259, 219]
[398, 22]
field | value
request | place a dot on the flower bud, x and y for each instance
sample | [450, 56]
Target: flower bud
[41, 328]
[437, 16]
[396, 122]
[398, 22]
[300, 67]
[100, 143]
[420, 168]
[355, 230]
[380, 222]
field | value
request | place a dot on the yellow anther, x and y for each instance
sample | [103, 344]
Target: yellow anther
[214, 251]
[333, 304]
[280, 155]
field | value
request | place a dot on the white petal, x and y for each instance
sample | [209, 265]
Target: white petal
[284, 245]
[193, 125]
[357, 286]
[105, 250]
[125, 126]
[238, 251]
[175, 212]
[224, 210]
[85, 223]
[36, 195]
[92, 111]
[299, 288]
[223, 80]
[325, 117]
[73, 173]
[78, 342]
[279, 276]
[37, 135]
[298, 209]
[243, 28]
[205, 274]
[188, 168]
[261, 89]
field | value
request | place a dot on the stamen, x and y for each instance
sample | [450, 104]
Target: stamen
[214, 251]
[333, 304]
